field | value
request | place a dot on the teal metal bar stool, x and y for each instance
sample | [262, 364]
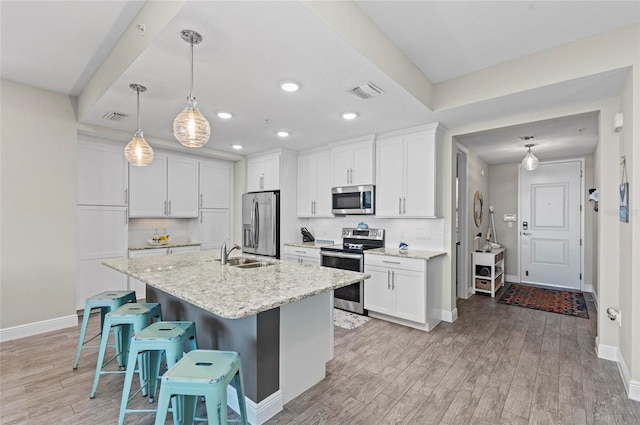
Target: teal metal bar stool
[106, 302]
[202, 373]
[169, 338]
[131, 318]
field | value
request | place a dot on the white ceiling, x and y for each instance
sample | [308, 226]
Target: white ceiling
[249, 47]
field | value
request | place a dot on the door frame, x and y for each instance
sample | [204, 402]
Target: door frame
[463, 253]
[582, 162]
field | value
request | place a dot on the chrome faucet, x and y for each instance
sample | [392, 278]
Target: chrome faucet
[224, 254]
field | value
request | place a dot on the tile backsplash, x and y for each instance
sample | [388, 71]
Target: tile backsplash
[178, 229]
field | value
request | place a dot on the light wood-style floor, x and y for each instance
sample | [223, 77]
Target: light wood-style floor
[496, 364]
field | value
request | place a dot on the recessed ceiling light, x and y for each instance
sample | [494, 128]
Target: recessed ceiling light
[283, 133]
[237, 147]
[350, 115]
[289, 86]
[224, 115]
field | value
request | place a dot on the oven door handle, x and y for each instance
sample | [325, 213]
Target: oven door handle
[341, 255]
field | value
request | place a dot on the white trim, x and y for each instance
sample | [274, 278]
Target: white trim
[257, 413]
[36, 328]
[512, 278]
[450, 316]
[587, 287]
[607, 352]
[595, 299]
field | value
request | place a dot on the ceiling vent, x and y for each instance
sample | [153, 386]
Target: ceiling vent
[115, 116]
[366, 90]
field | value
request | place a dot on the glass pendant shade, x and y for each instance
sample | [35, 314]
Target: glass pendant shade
[138, 152]
[530, 162]
[191, 128]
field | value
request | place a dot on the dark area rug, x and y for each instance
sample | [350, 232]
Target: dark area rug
[552, 300]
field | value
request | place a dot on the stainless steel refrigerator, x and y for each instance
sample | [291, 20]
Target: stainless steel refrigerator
[261, 223]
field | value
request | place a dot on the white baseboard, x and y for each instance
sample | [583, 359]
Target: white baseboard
[609, 352]
[36, 328]
[450, 316]
[512, 278]
[595, 299]
[257, 413]
[587, 288]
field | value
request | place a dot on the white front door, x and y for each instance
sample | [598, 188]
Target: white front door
[550, 225]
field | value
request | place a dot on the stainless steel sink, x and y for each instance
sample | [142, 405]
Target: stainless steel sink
[240, 261]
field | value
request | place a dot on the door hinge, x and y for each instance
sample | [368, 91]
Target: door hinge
[580, 241]
[580, 207]
[580, 173]
[580, 276]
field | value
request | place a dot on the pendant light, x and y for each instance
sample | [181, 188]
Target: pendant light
[190, 127]
[530, 162]
[138, 152]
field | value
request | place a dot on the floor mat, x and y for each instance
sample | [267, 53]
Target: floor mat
[347, 320]
[552, 300]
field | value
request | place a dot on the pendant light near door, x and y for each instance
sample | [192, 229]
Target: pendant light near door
[530, 162]
[138, 152]
[190, 127]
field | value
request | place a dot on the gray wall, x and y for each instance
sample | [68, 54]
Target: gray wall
[503, 185]
[38, 252]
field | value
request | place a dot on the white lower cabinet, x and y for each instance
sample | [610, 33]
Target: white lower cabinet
[140, 287]
[398, 291]
[102, 234]
[300, 255]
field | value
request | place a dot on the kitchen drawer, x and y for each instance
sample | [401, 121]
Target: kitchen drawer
[395, 262]
[303, 252]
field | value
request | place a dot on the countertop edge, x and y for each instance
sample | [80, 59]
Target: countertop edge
[169, 245]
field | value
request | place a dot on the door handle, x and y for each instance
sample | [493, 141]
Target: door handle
[526, 234]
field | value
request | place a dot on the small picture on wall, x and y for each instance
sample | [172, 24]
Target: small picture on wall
[624, 202]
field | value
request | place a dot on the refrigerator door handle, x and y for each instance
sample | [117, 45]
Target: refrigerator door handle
[257, 223]
[251, 224]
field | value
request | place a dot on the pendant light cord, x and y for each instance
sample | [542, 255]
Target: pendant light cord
[138, 102]
[191, 72]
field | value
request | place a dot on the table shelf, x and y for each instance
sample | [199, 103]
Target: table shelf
[488, 271]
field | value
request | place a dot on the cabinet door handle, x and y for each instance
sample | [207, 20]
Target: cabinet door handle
[126, 196]
[388, 279]
[300, 252]
[165, 208]
[399, 204]
[393, 281]
[201, 200]
[391, 262]
[169, 208]
[348, 176]
[404, 205]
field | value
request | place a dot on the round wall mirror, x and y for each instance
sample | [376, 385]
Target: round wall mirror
[477, 208]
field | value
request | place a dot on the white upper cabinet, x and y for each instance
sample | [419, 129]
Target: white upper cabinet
[102, 174]
[216, 184]
[314, 188]
[182, 193]
[407, 170]
[168, 187]
[263, 173]
[352, 163]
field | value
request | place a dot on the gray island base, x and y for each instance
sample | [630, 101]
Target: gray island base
[279, 318]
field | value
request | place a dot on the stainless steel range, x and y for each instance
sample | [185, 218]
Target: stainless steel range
[349, 255]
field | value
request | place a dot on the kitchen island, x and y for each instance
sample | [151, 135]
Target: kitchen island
[279, 317]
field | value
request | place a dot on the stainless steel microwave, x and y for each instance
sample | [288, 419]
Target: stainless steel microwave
[353, 200]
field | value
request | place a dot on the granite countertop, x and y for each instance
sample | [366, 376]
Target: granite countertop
[229, 291]
[171, 244]
[412, 253]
